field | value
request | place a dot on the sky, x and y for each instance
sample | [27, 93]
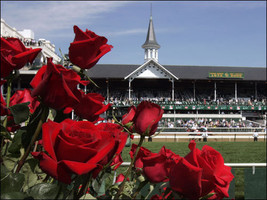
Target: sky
[208, 33]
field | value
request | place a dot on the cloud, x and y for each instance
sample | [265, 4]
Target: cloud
[129, 32]
[55, 16]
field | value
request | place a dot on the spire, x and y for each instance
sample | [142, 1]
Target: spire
[151, 41]
[151, 46]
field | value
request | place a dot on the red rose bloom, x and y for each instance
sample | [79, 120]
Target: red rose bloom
[147, 117]
[156, 167]
[120, 139]
[14, 55]
[94, 106]
[128, 117]
[23, 96]
[200, 173]
[120, 179]
[87, 48]
[75, 147]
[143, 152]
[56, 85]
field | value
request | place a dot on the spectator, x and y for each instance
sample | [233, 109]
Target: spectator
[255, 136]
[205, 134]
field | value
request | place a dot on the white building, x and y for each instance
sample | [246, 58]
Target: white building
[27, 37]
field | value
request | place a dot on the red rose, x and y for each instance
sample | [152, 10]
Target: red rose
[128, 117]
[147, 117]
[94, 106]
[120, 179]
[120, 139]
[56, 85]
[87, 48]
[14, 55]
[75, 147]
[23, 96]
[143, 152]
[156, 167]
[200, 173]
[117, 161]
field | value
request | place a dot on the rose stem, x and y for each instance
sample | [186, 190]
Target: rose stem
[34, 137]
[9, 84]
[84, 186]
[130, 167]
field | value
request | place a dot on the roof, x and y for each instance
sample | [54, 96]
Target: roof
[151, 69]
[183, 72]
[151, 41]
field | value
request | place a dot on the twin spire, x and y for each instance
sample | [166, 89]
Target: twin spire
[151, 46]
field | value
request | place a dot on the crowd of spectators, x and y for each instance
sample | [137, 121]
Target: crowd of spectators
[195, 124]
[120, 97]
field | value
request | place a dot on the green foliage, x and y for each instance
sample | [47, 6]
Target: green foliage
[45, 191]
[16, 143]
[29, 130]
[5, 133]
[13, 182]
[14, 195]
[20, 112]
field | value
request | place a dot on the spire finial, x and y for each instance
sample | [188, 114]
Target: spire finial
[150, 10]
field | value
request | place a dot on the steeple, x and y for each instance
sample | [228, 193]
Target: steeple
[151, 46]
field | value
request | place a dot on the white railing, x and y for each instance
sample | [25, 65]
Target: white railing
[241, 165]
[234, 165]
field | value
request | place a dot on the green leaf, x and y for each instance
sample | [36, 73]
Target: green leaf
[31, 127]
[44, 191]
[16, 143]
[12, 183]
[5, 133]
[14, 195]
[20, 112]
[10, 162]
[4, 172]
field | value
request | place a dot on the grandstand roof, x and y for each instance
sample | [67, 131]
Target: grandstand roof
[182, 72]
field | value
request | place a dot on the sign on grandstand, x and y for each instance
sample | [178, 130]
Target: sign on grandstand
[226, 75]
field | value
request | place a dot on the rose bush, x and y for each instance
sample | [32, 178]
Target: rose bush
[47, 155]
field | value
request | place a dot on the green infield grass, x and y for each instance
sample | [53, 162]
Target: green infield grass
[232, 152]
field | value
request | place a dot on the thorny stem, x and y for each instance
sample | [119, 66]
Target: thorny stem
[130, 167]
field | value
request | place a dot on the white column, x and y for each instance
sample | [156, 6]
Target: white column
[148, 53]
[236, 91]
[172, 89]
[215, 91]
[129, 89]
[153, 54]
